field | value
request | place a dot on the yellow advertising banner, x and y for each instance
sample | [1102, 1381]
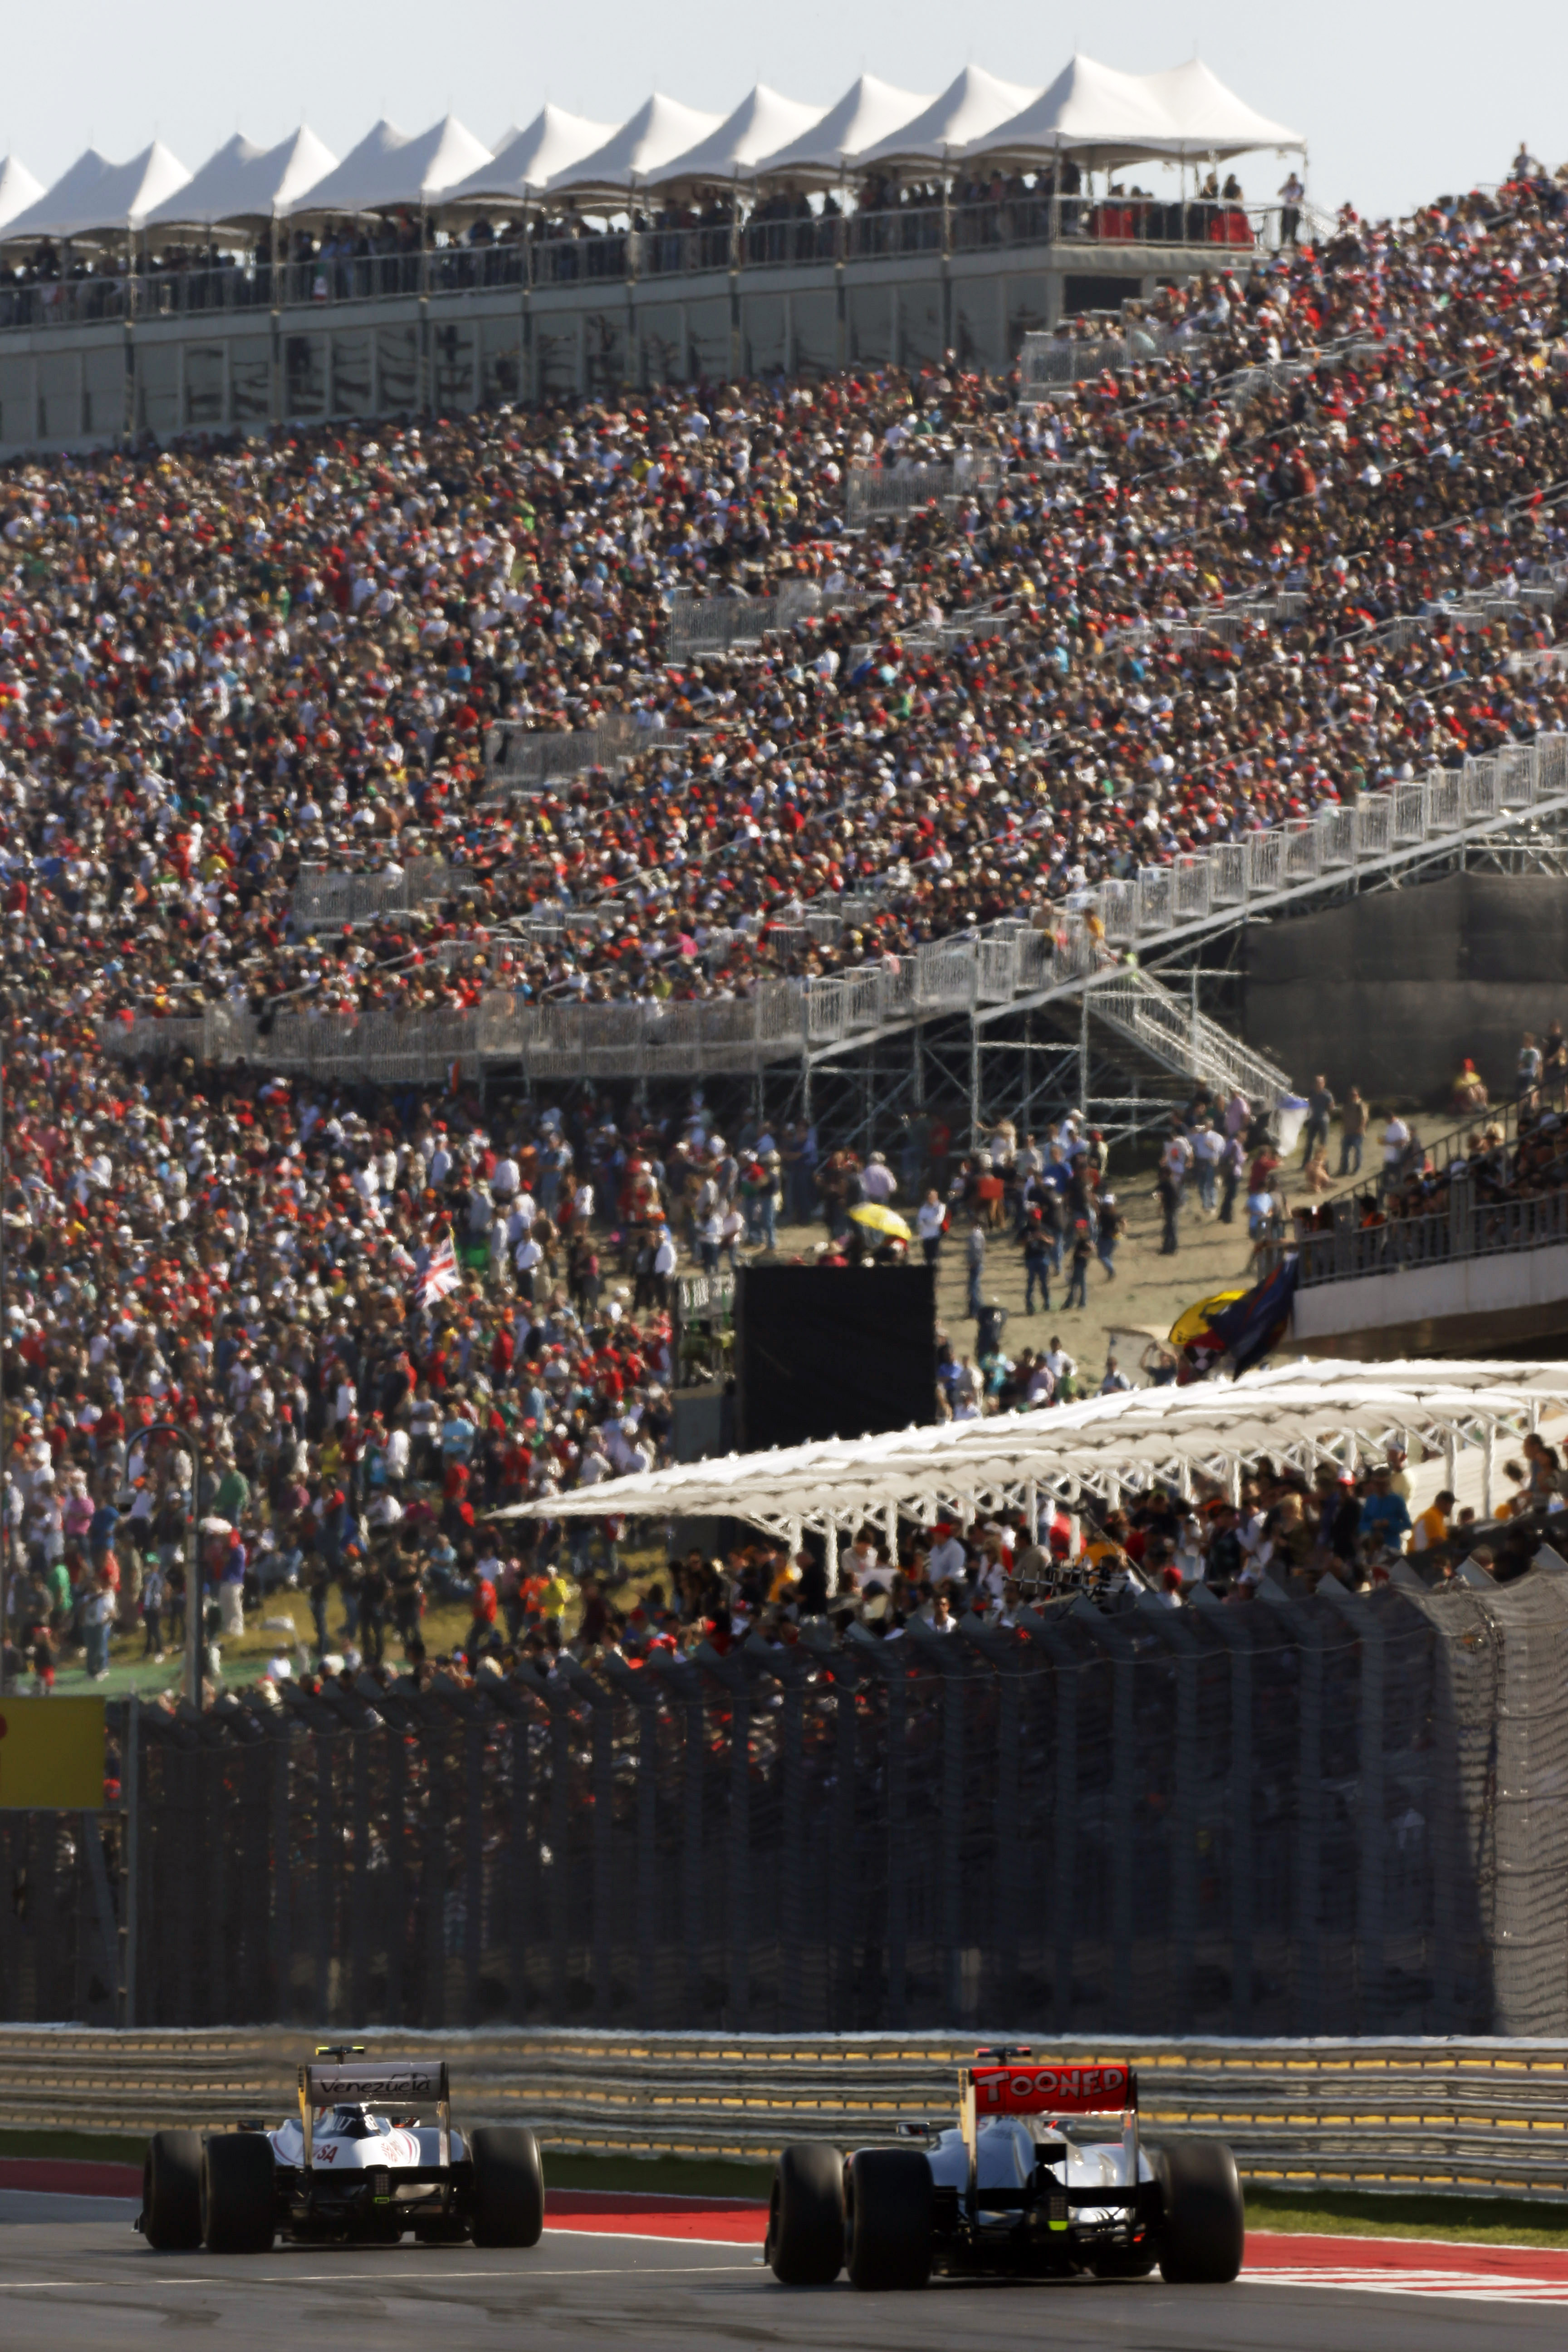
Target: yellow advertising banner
[51, 1754]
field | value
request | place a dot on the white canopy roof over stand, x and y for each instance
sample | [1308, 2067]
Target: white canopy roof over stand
[1210, 120]
[1090, 111]
[244, 182]
[389, 168]
[96, 197]
[527, 161]
[870, 113]
[18, 189]
[660, 129]
[763, 120]
[969, 108]
[1300, 1414]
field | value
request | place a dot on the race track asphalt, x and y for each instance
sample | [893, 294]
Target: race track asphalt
[73, 2273]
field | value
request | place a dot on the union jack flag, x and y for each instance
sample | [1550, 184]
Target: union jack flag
[440, 1275]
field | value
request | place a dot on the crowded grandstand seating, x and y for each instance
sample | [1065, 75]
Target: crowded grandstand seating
[223, 668]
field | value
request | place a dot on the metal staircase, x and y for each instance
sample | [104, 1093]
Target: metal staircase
[1175, 1036]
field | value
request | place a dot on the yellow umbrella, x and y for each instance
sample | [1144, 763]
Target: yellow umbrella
[1195, 1320]
[881, 1219]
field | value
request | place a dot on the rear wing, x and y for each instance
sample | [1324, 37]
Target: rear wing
[1022, 2087]
[1001, 2083]
[347, 2084]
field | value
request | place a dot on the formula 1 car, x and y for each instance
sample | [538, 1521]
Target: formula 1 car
[1031, 2182]
[355, 2164]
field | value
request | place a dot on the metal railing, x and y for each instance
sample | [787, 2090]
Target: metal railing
[567, 252]
[699, 625]
[1183, 1039]
[979, 973]
[325, 898]
[1483, 2115]
[909, 483]
[521, 758]
[1458, 1227]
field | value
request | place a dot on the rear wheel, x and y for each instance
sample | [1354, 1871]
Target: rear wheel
[806, 2215]
[887, 2218]
[509, 2186]
[1203, 2220]
[236, 2193]
[172, 2191]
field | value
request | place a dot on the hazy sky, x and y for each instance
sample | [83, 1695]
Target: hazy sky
[1398, 105]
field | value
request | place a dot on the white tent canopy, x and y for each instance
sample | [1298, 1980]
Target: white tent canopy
[389, 168]
[1103, 118]
[968, 107]
[96, 196]
[1300, 1413]
[1090, 111]
[870, 113]
[18, 189]
[527, 161]
[660, 129]
[244, 182]
[1208, 118]
[762, 121]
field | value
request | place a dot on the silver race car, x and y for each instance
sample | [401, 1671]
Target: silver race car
[1044, 2174]
[356, 2163]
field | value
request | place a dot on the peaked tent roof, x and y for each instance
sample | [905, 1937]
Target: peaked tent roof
[968, 107]
[762, 121]
[1210, 120]
[870, 113]
[1090, 111]
[527, 161]
[18, 188]
[388, 167]
[244, 182]
[660, 129]
[97, 196]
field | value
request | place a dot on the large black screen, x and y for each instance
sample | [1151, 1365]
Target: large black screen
[832, 1351]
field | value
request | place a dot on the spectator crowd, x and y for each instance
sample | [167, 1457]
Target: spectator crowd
[223, 666]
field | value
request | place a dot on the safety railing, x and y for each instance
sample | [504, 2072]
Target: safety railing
[908, 485]
[325, 898]
[1184, 1039]
[377, 265]
[1481, 2114]
[978, 971]
[521, 759]
[699, 625]
[1458, 1227]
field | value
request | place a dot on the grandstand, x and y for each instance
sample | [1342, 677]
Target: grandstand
[406, 821]
[425, 273]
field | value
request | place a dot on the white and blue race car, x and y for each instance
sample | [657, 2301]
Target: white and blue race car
[356, 2163]
[1044, 2174]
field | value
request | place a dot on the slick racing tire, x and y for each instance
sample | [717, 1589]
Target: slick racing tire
[805, 2216]
[1202, 2223]
[887, 2218]
[236, 2193]
[172, 2192]
[509, 2186]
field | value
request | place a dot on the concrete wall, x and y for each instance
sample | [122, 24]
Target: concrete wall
[75, 386]
[1390, 990]
[1461, 1307]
